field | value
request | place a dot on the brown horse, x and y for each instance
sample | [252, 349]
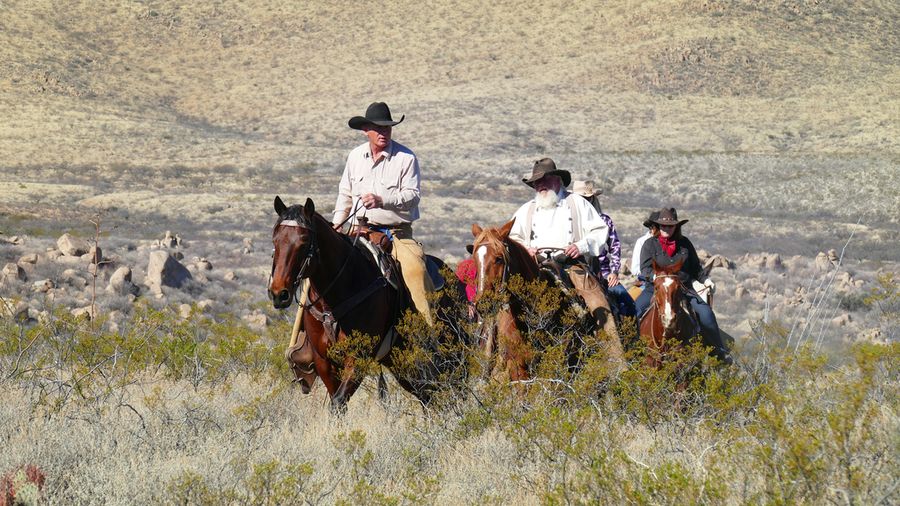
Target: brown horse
[498, 259]
[348, 296]
[668, 321]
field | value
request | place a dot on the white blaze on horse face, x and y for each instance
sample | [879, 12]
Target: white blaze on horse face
[482, 253]
[668, 314]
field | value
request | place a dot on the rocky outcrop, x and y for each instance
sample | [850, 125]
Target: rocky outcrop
[12, 272]
[120, 282]
[164, 270]
[72, 246]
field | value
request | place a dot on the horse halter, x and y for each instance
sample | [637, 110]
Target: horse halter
[311, 248]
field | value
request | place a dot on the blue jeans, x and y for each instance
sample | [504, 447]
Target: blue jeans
[709, 327]
[622, 300]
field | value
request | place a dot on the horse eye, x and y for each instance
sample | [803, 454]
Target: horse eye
[498, 260]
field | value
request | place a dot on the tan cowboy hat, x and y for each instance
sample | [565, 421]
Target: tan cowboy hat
[378, 113]
[546, 167]
[668, 217]
[585, 188]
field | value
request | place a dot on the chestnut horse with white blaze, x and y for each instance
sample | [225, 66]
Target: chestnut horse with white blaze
[497, 258]
[668, 321]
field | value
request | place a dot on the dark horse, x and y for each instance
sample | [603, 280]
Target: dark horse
[668, 321]
[348, 296]
[498, 259]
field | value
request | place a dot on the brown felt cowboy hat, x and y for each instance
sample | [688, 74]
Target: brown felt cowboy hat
[378, 113]
[546, 167]
[652, 219]
[585, 188]
[668, 217]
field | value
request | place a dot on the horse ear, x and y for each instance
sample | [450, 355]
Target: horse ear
[476, 230]
[655, 265]
[309, 207]
[280, 208]
[504, 230]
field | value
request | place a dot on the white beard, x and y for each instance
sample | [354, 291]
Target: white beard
[546, 199]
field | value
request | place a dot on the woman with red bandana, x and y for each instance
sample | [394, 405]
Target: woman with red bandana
[670, 247]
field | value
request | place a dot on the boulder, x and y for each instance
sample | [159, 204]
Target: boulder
[14, 240]
[95, 255]
[740, 292]
[841, 321]
[205, 304]
[822, 262]
[717, 261]
[73, 278]
[15, 310]
[184, 311]
[42, 286]
[28, 259]
[12, 272]
[230, 276]
[87, 311]
[248, 245]
[169, 241]
[773, 262]
[833, 256]
[257, 320]
[72, 246]
[53, 254]
[163, 270]
[204, 265]
[756, 261]
[120, 282]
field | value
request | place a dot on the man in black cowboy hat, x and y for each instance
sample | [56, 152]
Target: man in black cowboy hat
[566, 222]
[381, 182]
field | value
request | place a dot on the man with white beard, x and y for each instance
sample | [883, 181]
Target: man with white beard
[558, 219]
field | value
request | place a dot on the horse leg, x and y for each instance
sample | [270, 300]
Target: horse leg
[511, 346]
[329, 375]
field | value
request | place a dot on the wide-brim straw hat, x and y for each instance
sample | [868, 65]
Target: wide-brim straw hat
[546, 167]
[378, 113]
[585, 188]
[668, 217]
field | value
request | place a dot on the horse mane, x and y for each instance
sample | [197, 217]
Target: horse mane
[510, 249]
[491, 237]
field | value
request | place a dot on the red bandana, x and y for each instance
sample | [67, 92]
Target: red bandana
[668, 245]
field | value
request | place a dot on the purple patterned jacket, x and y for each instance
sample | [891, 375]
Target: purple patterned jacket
[610, 259]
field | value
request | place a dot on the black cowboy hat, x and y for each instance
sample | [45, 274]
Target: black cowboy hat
[546, 167]
[378, 113]
[668, 217]
[470, 248]
[652, 219]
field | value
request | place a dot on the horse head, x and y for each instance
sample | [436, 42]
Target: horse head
[294, 240]
[491, 253]
[668, 294]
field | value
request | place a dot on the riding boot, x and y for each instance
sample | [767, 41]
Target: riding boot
[588, 287]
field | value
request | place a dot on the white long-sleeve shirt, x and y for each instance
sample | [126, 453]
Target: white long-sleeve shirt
[394, 177]
[636, 255]
[552, 228]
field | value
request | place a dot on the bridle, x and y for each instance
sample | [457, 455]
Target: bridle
[312, 248]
